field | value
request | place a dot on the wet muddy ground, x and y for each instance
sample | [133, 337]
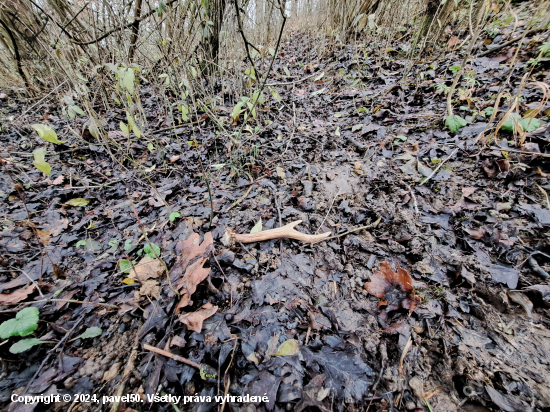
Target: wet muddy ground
[440, 304]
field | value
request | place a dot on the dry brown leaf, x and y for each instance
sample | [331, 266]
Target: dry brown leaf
[17, 296]
[66, 296]
[44, 236]
[280, 172]
[194, 275]
[188, 271]
[453, 41]
[475, 233]
[147, 268]
[417, 387]
[56, 226]
[178, 341]
[149, 288]
[112, 372]
[389, 285]
[194, 320]
[58, 180]
[174, 158]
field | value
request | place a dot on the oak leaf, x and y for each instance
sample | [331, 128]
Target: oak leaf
[395, 288]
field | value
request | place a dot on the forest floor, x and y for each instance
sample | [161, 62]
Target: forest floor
[440, 304]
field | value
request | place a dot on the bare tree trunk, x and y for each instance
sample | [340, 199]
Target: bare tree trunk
[211, 34]
[135, 31]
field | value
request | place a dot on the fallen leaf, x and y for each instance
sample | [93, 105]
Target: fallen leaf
[289, 347]
[417, 387]
[178, 341]
[280, 172]
[174, 158]
[91, 332]
[521, 300]
[78, 202]
[147, 268]
[17, 296]
[149, 288]
[257, 227]
[44, 236]
[194, 320]
[453, 41]
[188, 271]
[475, 233]
[112, 372]
[58, 180]
[389, 285]
[55, 227]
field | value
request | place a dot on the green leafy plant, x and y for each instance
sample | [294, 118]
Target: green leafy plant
[173, 216]
[489, 111]
[91, 333]
[113, 243]
[40, 161]
[528, 124]
[150, 250]
[544, 51]
[46, 133]
[25, 344]
[125, 266]
[72, 109]
[455, 122]
[80, 243]
[24, 323]
[442, 87]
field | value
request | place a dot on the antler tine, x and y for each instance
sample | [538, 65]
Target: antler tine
[283, 232]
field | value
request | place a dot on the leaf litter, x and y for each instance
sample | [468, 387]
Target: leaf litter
[412, 310]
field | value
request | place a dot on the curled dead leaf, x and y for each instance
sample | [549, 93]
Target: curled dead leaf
[188, 271]
[394, 288]
[194, 320]
[17, 296]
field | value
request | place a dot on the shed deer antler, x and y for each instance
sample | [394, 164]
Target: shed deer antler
[284, 232]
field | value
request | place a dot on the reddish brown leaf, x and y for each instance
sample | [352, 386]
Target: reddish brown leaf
[453, 41]
[66, 296]
[475, 233]
[17, 296]
[194, 275]
[389, 285]
[188, 271]
[194, 320]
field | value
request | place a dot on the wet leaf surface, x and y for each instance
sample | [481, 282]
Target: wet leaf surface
[440, 275]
